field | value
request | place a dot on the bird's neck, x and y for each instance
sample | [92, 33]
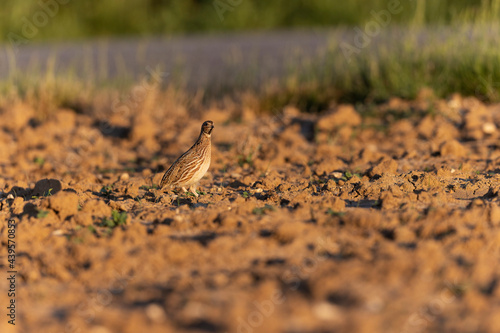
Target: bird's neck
[204, 137]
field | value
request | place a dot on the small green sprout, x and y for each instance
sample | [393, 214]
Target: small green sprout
[117, 219]
[106, 190]
[42, 214]
[332, 212]
[39, 161]
[263, 210]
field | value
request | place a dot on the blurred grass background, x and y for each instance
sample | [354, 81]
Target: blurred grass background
[448, 46]
[93, 18]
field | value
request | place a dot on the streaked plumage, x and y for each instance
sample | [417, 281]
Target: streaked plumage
[191, 166]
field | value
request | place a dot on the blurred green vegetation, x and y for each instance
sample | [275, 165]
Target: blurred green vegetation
[398, 63]
[463, 60]
[71, 19]
[447, 46]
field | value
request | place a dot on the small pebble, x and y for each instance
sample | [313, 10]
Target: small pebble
[124, 176]
[326, 311]
[489, 128]
[155, 313]
[337, 174]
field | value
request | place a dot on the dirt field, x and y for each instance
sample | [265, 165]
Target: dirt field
[384, 219]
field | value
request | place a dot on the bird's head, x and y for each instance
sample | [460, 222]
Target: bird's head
[207, 127]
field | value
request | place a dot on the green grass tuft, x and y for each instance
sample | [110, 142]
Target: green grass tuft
[117, 219]
[263, 210]
[42, 214]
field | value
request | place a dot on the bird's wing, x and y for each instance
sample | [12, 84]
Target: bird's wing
[177, 171]
[190, 164]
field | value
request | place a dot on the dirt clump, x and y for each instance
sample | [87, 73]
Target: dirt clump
[47, 186]
[343, 115]
[386, 166]
[63, 203]
[452, 148]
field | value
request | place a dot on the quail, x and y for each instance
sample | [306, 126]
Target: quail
[191, 166]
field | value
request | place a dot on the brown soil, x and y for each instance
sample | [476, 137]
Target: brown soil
[380, 219]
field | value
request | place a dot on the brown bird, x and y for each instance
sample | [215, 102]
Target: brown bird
[191, 166]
